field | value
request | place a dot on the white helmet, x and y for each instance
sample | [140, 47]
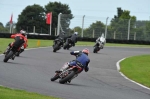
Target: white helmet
[76, 33]
[23, 32]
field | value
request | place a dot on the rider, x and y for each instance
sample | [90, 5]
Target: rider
[61, 37]
[73, 38]
[25, 45]
[18, 36]
[81, 58]
[100, 40]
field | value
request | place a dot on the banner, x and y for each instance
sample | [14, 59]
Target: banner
[11, 19]
[49, 18]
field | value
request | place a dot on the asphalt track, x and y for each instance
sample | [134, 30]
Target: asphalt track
[34, 68]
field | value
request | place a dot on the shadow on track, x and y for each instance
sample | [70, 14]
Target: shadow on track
[70, 84]
[12, 63]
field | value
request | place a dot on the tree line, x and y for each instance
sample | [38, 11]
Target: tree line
[34, 15]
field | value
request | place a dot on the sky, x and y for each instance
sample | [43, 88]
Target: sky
[92, 9]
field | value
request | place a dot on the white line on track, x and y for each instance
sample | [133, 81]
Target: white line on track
[118, 68]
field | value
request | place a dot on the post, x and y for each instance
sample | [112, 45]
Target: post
[114, 34]
[82, 25]
[50, 23]
[50, 29]
[10, 27]
[58, 23]
[34, 29]
[129, 29]
[93, 33]
[106, 28]
[135, 33]
[135, 36]
[55, 32]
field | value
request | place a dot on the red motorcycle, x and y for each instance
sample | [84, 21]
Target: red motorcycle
[68, 74]
[13, 49]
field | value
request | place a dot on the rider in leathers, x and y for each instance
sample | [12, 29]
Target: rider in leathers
[101, 40]
[61, 37]
[73, 38]
[18, 36]
[81, 58]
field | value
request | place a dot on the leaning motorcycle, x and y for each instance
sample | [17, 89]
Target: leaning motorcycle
[68, 74]
[57, 45]
[20, 51]
[97, 47]
[68, 44]
[11, 52]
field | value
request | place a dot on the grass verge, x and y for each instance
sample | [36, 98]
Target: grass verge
[7, 93]
[137, 68]
[33, 43]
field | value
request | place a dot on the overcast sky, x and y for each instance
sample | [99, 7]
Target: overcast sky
[93, 8]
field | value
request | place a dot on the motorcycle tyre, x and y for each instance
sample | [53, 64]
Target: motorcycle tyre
[55, 77]
[67, 78]
[65, 46]
[7, 57]
[55, 48]
[17, 53]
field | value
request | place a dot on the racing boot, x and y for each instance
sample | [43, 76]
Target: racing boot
[63, 68]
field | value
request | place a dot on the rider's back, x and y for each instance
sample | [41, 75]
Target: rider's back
[83, 59]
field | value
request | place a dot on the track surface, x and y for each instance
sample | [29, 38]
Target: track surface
[34, 68]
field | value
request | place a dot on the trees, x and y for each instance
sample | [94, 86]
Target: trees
[119, 24]
[1, 24]
[56, 8]
[32, 16]
[35, 16]
[98, 27]
[3, 29]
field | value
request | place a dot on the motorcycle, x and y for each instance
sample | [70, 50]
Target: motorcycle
[66, 75]
[12, 50]
[100, 42]
[20, 51]
[68, 44]
[57, 45]
[98, 46]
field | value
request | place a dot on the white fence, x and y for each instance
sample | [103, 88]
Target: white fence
[125, 29]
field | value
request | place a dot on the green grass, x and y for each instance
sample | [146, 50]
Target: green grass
[7, 93]
[137, 68]
[33, 43]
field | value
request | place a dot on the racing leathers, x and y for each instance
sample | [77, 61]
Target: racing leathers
[81, 58]
[73, 38]
[19, 41]
[60, 37]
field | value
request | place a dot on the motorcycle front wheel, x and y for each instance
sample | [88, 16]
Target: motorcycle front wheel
[7, 57]
[55, 48]
[65, 46]
[55, 77]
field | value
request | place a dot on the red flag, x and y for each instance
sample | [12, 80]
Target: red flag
[11, 18]
[49, 18]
